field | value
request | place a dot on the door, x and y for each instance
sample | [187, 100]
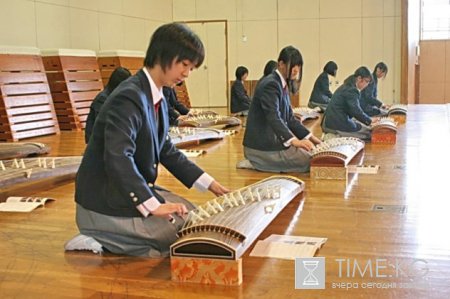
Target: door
[207, 85]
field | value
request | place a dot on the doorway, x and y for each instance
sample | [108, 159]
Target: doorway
[207, 86]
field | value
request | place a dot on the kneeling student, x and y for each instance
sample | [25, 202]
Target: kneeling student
[344, 115]
[274, 139]
[370, 103]
[118, 206]
[321, 94]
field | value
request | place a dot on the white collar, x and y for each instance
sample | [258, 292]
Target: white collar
[283, 81]
[157, 94]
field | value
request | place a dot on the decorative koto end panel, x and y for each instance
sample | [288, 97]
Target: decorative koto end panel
[217, 233]
[385, 131]
[331, 157]
[398, 113]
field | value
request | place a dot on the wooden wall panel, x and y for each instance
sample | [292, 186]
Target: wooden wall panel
[434, 83]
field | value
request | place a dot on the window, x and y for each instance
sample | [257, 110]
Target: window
[435, 19]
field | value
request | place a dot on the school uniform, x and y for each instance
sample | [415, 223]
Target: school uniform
[369, 102]
[175, 108]
[115, 184]
[321, 94]
[271, 125]
[343, 107]
[240, 102]
[94, 110]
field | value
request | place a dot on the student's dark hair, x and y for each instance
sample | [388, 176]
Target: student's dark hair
[363, 72]
[271, 65]
[291, 57]
[330, 68]
[382, 66]
[240, 72]
[174, 40]
[118, 75]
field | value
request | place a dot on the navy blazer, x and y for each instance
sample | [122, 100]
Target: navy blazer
[271, 121]
[175, 108]
[239, 98]
[120, 164]
[369, 95]
[94, 110]
[321, 91]
[344, 105]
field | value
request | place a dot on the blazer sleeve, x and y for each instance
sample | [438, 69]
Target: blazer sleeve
[296, 126]
[94, 110]
[123, 120]
[178, 165]
[270, 104]
[89, 124]
[175, 109]
[325, 85]
[241, 94]
[370, 95]
[354, 108]
[183, 110]
[173, 115]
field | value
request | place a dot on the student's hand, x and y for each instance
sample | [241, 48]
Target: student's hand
[217, 189]
[182, 117]
[375, 120]
[166, 209]
[304, 144]
[192, 112]
[386, 107]
[317, 109]
[315, 140]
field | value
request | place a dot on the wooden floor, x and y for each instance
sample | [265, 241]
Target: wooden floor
[412, 242]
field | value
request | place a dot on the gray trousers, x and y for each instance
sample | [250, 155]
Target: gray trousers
[365, 133]
[138, 236]
[323, 105]
[241, 113]
[291, 159]
[375, 111]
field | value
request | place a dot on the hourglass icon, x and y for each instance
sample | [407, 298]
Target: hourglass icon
[310, 279]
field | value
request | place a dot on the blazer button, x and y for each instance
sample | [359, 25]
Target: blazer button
[131, 194]
[154, 165]
[167, 137]
[150, 185]
[135, 199]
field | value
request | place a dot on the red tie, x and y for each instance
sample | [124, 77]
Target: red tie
[156, 106]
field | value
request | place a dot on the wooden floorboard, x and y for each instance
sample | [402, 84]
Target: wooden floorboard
[413, 173]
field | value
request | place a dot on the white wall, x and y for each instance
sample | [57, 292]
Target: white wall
[85, 24]
[350, 32]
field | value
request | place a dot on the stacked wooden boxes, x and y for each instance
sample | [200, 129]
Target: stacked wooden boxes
[26, 107]
[183, 95]
[108, 61]
[75, 80]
